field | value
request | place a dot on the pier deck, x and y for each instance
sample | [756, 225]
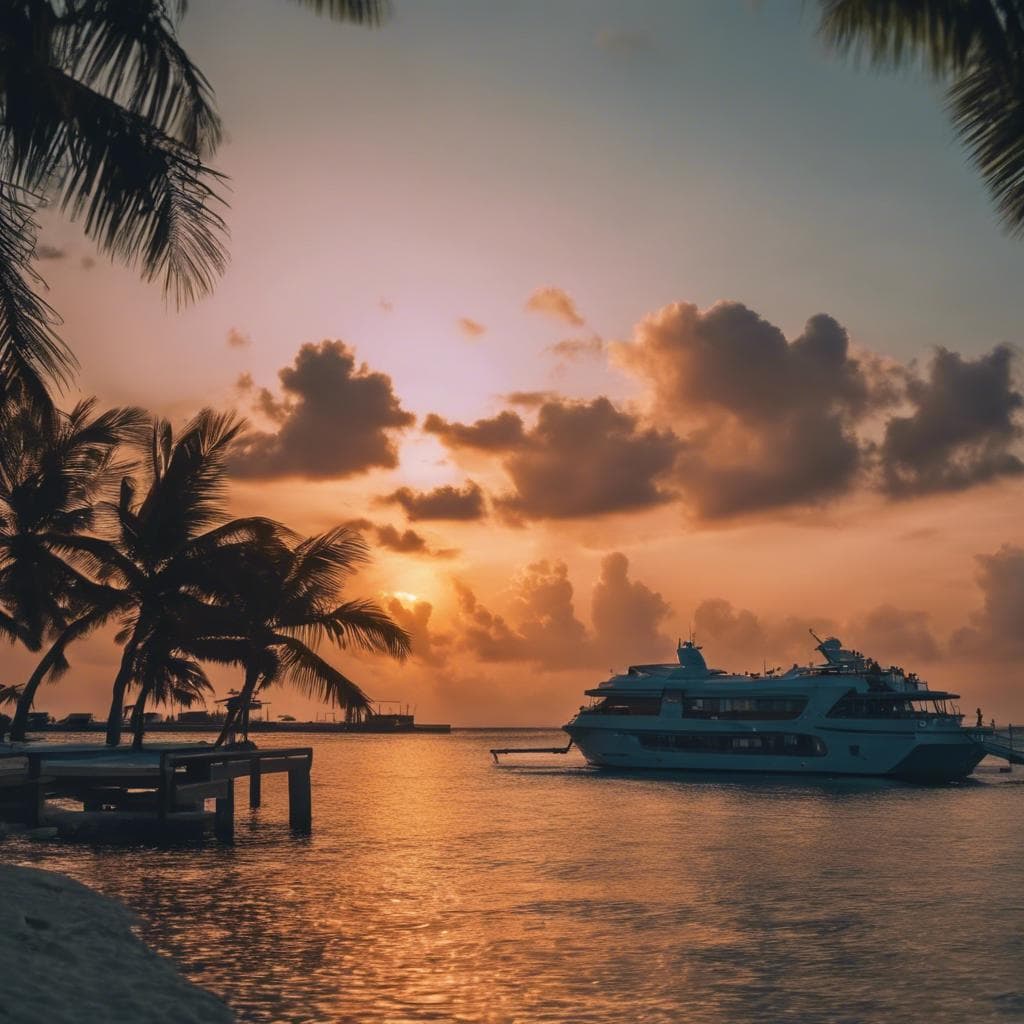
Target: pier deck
[161, 790]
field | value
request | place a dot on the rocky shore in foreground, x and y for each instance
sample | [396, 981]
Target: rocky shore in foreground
[70, 955]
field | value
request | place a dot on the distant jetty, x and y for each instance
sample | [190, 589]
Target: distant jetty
[201, 721]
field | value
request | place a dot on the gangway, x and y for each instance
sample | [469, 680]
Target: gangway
[1007, 743]
[495, 751]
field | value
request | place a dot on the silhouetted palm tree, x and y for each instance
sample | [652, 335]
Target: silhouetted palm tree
[165, 675]
[976, 47]
[102, 110]
[52, 469]
[172, 549]
[287, 604]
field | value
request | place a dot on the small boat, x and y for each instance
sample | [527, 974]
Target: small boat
[845, 716]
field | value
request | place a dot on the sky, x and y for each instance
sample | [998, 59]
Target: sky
[604, 323]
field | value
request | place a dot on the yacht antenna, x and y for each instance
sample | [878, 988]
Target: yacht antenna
[815, 635]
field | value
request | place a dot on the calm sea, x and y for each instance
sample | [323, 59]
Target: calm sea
[437, 887]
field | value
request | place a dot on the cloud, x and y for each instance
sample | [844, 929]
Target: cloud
[579, 458]
[49, 252]
[87, 262]
[546, 631]
[471, 328]
[403, 542]
[499, 433]
[587, 459]
[627, 616]
[890, 634]
[574, 349]
[236, 339]
[963, 425]
[336, 420]
[385, 305]
[245, 383]
[428, 647]
[771, 422]
[995, 632]
[555, 302]
[623, 42]
[542, 627]
[529, 399]
[445, 502]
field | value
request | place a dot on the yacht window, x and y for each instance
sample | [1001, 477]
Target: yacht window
[744, 708]
[771, 743]
[619, 704]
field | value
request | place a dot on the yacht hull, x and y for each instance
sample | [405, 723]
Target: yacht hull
[932, 757]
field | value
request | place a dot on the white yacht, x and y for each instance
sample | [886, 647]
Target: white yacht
[847, 716]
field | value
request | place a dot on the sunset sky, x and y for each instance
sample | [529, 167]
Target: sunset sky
[604, 323]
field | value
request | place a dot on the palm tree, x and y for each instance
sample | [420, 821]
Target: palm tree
[102, 111]
[173, 550]
[52, 469]
[287, 604]
[976, 48]
[165, 674]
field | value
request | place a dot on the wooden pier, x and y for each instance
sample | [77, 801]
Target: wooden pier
[158, 791]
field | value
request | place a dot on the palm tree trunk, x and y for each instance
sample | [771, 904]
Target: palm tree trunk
[124, 677]
[139, 718]
[52, 656]
[28, 694]
[252, 677]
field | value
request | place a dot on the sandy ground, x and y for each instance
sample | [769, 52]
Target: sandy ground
[68, 954]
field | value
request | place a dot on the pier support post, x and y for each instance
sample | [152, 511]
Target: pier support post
[224, 816]
[300, 805]
[255, 783]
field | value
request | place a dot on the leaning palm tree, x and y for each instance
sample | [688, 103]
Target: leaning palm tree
[103, 112]
[53, 467]
[173, 548]
[286, 604]
[976, 49]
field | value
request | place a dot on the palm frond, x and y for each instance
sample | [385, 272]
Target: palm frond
[30, 350]
[316, 678]
[986, 104]
[360, 12]
[363, 625]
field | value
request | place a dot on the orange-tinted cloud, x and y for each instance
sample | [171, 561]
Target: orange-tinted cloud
[995, 631]
[575, 349]
[529, 399]
[428, 647]
[556, 303]
[470, 327]
[236, 339]
[445, 502]
[627, 615]
[964, 424]
[335, 419]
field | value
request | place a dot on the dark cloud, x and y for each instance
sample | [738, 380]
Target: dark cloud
[995, 632]
[428, 647]
[499, 433]
[49, 252]
[627, 616]
[445, 502]
[586, 459]
[579, 459]
[471, 328]
[403, 542]
[556, 303]
[771, 422]
[236, 339]
[962, 429]
[336, 419]
[891, 635]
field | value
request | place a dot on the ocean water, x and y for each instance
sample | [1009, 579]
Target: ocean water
[438, 887]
